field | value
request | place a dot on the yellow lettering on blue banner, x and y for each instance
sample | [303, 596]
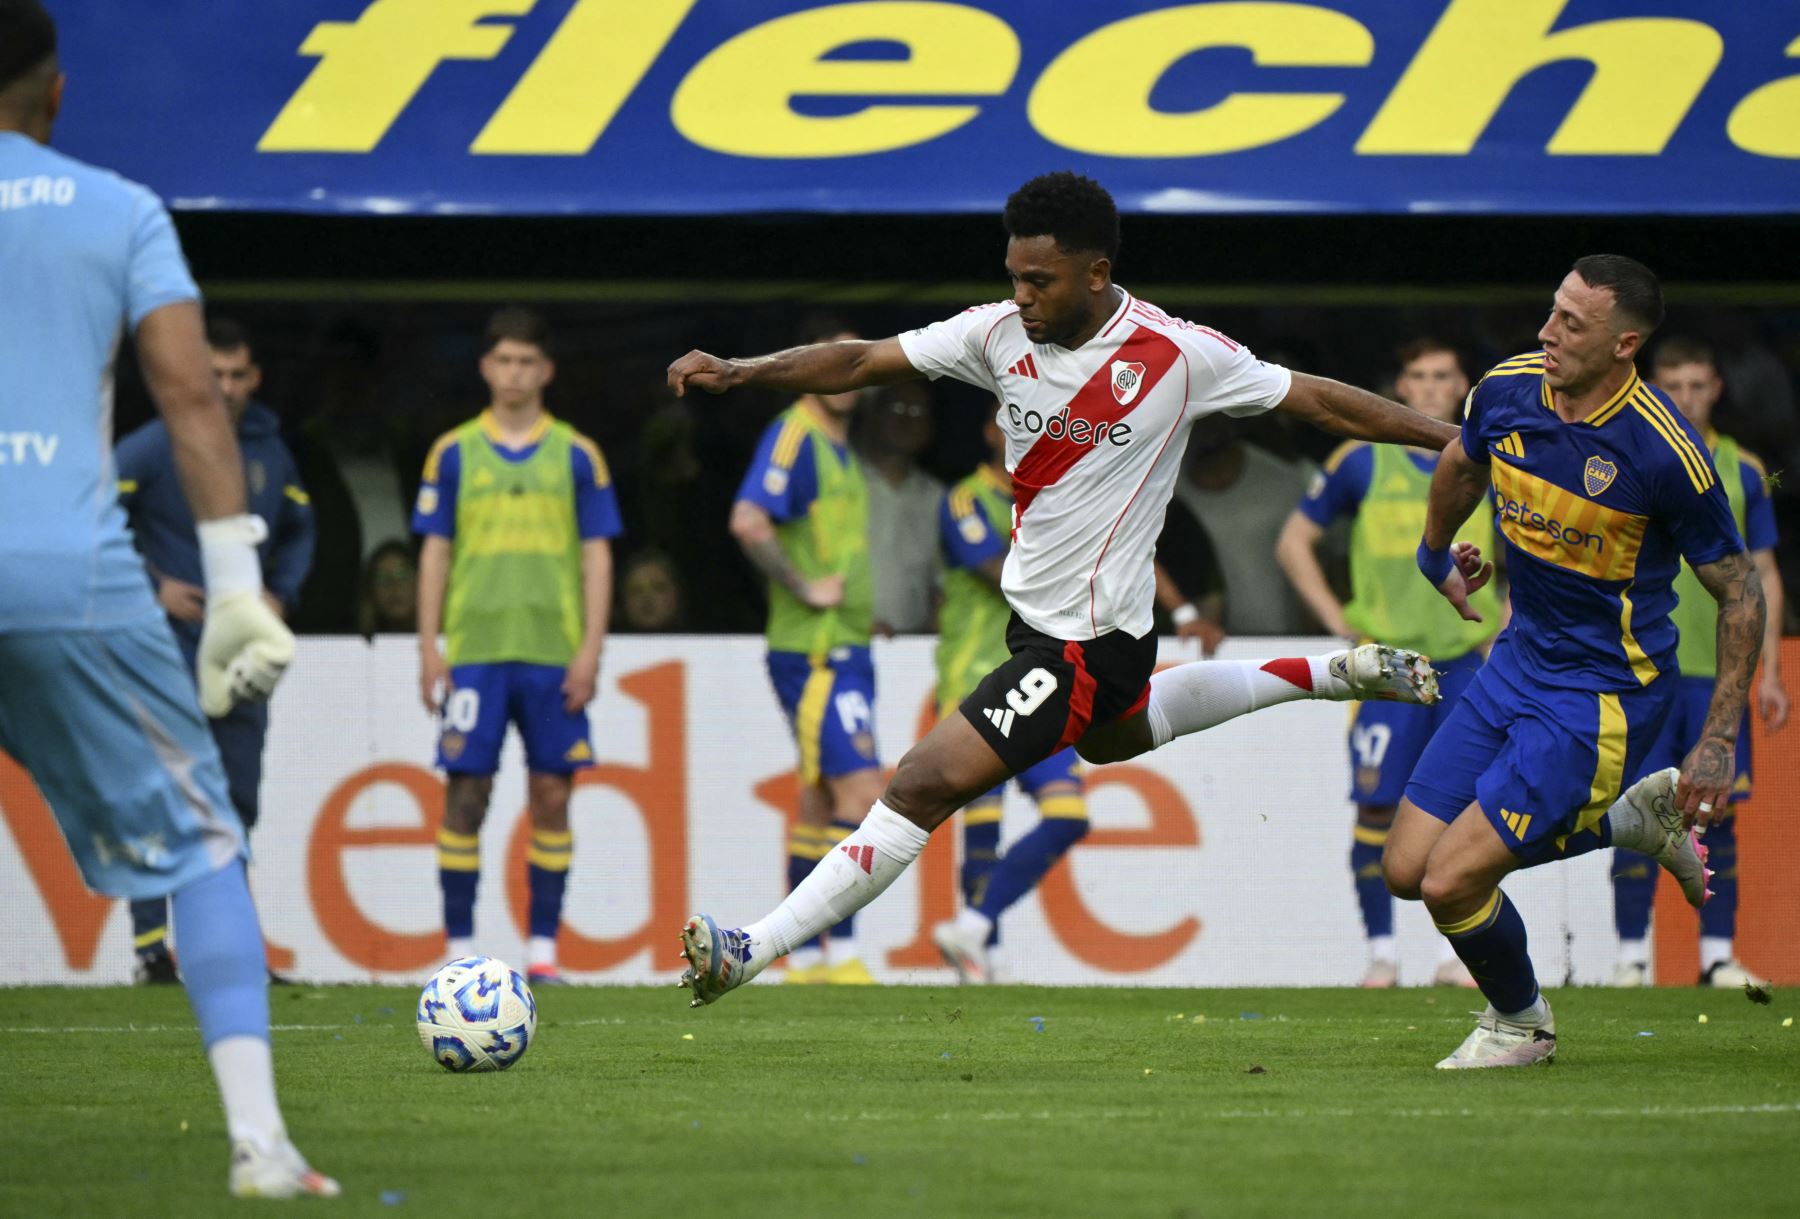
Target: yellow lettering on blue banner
[1563, 528]
[1768, 121]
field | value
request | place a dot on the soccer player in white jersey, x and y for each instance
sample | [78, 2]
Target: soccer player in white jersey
[1098, 392]
[97, 703]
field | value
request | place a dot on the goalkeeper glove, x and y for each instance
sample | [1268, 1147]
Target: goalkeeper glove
[244, 646]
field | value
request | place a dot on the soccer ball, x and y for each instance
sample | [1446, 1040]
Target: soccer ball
[477, 1014]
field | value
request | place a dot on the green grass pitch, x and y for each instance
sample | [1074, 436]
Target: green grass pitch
[928, 1101]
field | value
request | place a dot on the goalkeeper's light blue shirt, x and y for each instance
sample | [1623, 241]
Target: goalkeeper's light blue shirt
[83, 253]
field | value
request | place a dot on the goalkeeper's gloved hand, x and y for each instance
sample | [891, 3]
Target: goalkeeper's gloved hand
[244, 646]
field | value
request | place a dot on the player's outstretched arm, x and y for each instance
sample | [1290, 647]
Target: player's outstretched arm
[1454, 568]
[818, 368]
[1346, 410]
[1708, 770]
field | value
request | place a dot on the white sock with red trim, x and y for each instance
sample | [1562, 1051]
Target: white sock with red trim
[1201, 695]
[855, 873]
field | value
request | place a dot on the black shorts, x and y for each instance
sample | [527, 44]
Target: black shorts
[1052, 690]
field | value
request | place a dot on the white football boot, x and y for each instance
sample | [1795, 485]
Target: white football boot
[1498, 1042]
[718, 960]
[1380, 975]
[281, 1173]
[963, 952]
[1630, 974]
[1731, 975]
[1681, 853]
[1376, 671]
[1453, 972]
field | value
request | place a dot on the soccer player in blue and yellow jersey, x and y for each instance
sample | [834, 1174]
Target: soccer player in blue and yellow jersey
[518, 513]
[96, 703]
[1687, 372]
[974, 526]
[1600, 489]
[1383, 490]
[802, 517]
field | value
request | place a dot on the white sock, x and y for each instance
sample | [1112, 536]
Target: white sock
[842, 948]
[1633, 828]
[461, 946]
[1634, 952]
[1381, 948]
[542, 951]
[246, 1073]
[854, 874]
[807, 956]
[1714, 949]
[1537, 1013]
[974, 925]
[1206, 693]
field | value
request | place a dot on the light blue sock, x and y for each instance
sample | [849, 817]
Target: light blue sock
[222, 959]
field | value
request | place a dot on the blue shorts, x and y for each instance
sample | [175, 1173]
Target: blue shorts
[830, 705]
[1681, 732]
[1063, 766]
[1544, 762]
[1387, 738]
[108, 725]
[484, 698]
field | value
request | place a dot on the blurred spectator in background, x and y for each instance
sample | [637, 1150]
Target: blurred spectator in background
[163, 527]
[390, 591]
[1241, 496]
[895, 429]
[650, 597]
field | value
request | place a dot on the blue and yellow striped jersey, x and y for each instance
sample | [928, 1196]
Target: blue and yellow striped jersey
[1596, 516]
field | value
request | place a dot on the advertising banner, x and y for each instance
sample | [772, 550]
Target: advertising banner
[1219, 860]
[919, 106]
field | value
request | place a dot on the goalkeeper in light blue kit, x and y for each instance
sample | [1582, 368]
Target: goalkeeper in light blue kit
[97, 703]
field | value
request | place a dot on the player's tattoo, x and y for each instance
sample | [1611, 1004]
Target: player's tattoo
[772, 561]
[1735, 584]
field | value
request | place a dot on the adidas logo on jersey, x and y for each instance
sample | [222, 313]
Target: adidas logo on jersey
[1024, 368]
[1003, 720]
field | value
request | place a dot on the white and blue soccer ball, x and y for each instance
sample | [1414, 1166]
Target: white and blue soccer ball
[477, 1014]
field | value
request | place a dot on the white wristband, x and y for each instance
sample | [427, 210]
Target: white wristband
[228, 555]
[1184, 613]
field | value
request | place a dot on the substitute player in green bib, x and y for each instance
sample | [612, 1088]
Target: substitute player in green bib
[974, 525]
[517, 512]
[1384, 489]
[1688, 373]
[802, 517]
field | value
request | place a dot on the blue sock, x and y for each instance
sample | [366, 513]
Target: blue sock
[150, 924]
[835, 833]
[1634, 892]
[1027, 860]
[1365, 867]
[1491, 942]
[981, 852]
[222, 961]
[1718, 917]
[459, 871]
[547, 877]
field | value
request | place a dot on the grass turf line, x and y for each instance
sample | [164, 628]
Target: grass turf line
[928, 1101]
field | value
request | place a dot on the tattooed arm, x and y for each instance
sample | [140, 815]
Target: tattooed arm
[1708, 771]
[755, 533]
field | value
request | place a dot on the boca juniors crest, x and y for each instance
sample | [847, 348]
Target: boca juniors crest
[1127, 380]
[1598, 475]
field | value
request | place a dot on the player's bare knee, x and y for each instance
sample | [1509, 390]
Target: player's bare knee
[920, 793]
[1402, 875]
[549, 801]
[466, 802]
[1445, 888]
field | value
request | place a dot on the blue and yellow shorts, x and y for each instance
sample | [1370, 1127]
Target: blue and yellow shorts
[1544, 762]
[830, 705]
[484, 698]
[1681, 732]
[1387, 739]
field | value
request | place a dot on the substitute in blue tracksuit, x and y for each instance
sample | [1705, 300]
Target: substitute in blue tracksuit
[164, 529]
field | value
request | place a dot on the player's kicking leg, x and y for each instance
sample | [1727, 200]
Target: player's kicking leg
[107, 724]
[1096, 694]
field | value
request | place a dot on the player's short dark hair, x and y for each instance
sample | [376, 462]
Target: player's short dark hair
[822, 327]
[227, 334]
[1636, 291]
[27, 39]
[1424, 345]
[1073, 210]
[1679, 349]
[519, 324]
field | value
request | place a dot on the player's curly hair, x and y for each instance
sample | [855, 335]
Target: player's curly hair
[1074, 210]
[27, 39]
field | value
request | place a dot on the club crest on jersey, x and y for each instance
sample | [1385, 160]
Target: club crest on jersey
[1127, 380]
[1598, 475]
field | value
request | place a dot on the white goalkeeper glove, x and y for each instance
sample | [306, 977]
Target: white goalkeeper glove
[244, 646]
